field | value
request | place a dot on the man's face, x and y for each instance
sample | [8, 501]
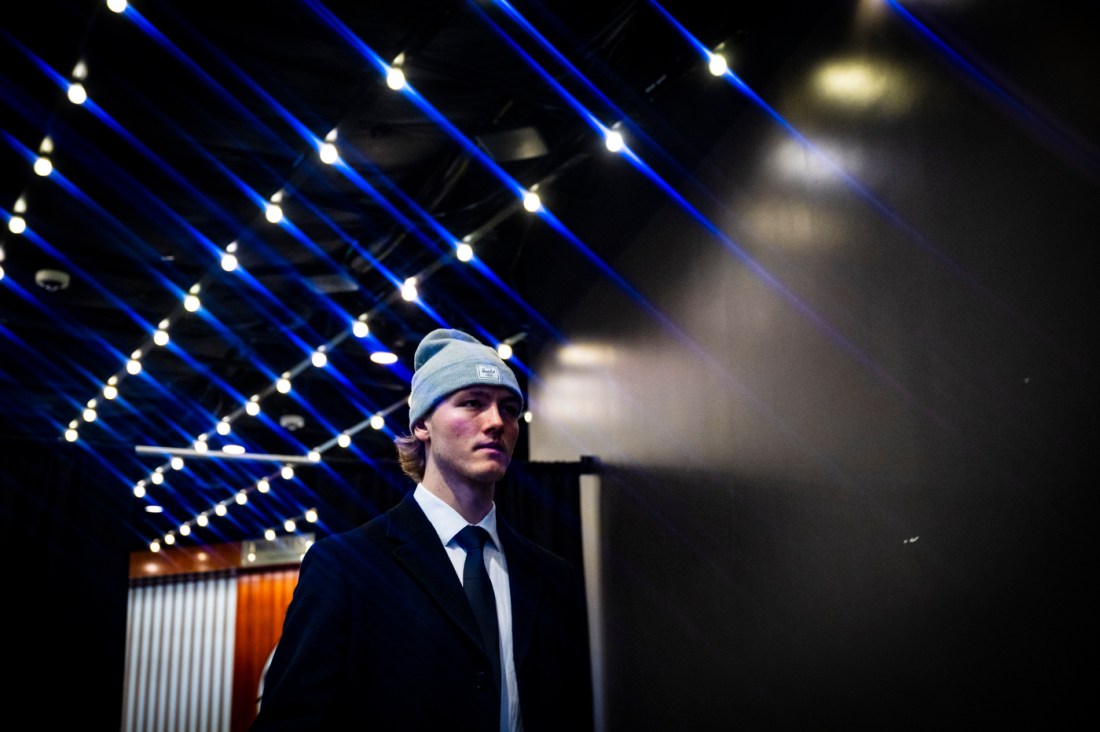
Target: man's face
[472, 433]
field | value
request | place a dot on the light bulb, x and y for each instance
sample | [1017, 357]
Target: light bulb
[395, 78]
[77, 94]
[717, 64]
[43, 166]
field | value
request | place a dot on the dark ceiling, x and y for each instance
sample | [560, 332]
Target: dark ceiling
[200, 112]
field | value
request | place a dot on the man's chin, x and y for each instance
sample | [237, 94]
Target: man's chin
[493, 472]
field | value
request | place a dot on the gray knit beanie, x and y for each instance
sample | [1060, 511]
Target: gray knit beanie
[448, 360]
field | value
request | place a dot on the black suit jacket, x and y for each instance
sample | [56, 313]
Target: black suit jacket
[379, 636]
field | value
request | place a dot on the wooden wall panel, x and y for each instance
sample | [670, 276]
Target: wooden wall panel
[262, 600]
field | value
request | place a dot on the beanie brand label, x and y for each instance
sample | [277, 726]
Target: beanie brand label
[488, 372]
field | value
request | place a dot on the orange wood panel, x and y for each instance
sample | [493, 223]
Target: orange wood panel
[262, 600]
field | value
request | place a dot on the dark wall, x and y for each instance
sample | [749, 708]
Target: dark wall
[845, 426]
[65, 535]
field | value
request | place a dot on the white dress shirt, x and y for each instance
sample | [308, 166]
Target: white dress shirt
[447, 523]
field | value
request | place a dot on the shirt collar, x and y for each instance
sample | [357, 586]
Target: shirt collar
[446, 521]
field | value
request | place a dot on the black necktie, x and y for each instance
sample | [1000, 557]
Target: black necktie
[479, 590]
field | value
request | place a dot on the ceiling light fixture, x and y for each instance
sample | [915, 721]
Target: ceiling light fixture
[717, 64]
[76, 93]
[395, 78]
[531, 201]
[273, 213]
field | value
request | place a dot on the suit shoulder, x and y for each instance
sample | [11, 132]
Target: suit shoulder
[356, 540]
[375, 534]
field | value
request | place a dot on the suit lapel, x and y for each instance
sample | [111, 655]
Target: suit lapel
[417, 548]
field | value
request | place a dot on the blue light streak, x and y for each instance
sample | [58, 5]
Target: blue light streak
[1073, 150]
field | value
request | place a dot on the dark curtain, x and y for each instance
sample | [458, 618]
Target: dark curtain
[542, 501]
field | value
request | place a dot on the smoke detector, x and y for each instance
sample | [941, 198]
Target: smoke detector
[292, 422]
[52, 279]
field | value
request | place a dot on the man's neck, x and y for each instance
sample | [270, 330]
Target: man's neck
[473, 501]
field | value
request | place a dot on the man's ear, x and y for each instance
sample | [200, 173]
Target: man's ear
[420, 430]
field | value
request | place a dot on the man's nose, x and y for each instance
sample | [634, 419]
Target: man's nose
[493, 417]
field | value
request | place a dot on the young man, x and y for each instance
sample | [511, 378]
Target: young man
[391, 629]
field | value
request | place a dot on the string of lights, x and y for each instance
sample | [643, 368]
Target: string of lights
[408, 288]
